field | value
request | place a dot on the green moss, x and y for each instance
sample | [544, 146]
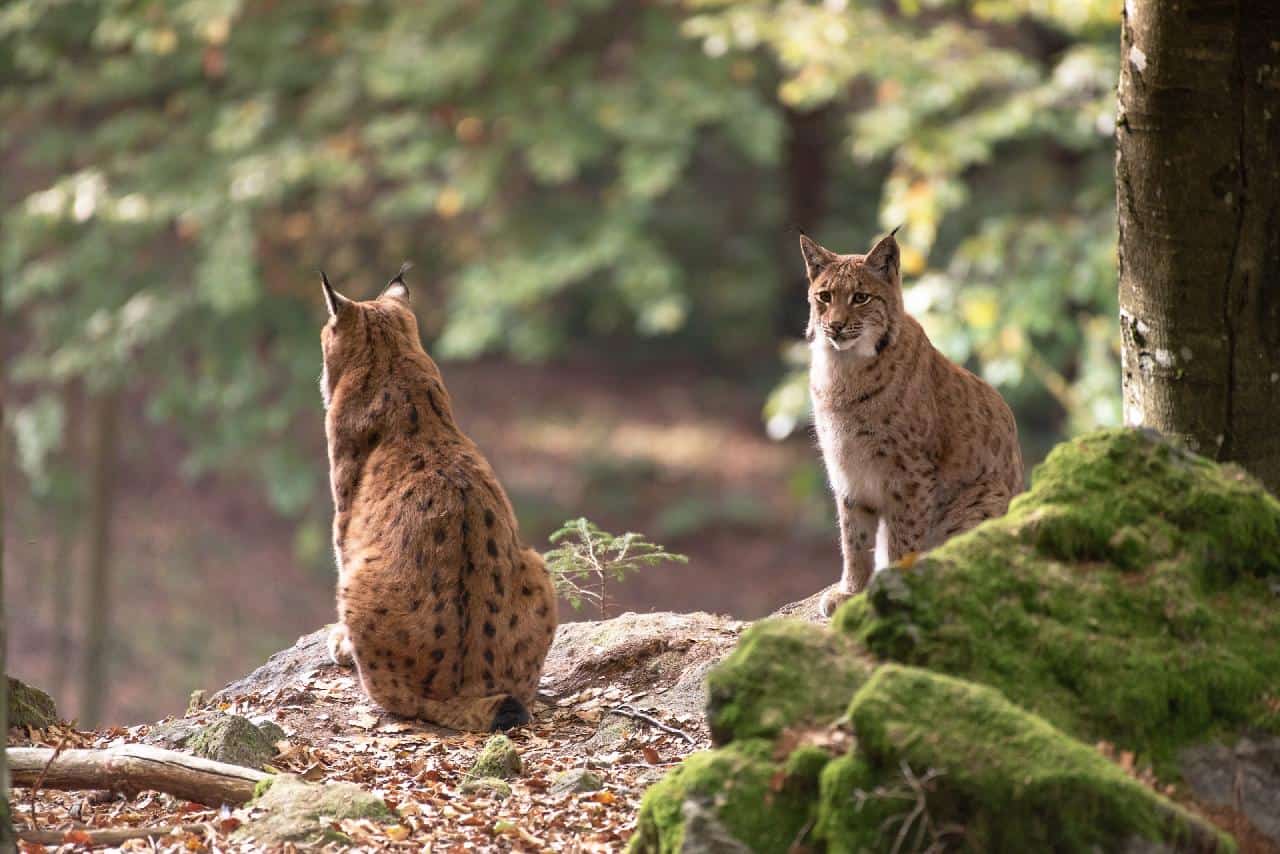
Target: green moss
[262, 787]
[234, 739]
[29, 707]
[293, 810]
[752, 802]
[782, 672]
[970, 758]
[1124, 597]
[498, 758]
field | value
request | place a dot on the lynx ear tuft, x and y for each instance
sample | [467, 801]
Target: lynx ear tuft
[396, 288]
[816, 258]
[885, 259]
[333, 300]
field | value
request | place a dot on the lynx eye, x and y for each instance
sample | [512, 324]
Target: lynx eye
[824, 296]
[861, 298]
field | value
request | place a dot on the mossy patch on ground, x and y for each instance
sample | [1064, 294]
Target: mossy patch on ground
[28, 706]
[783, 672]
[1126, 597]
[498, 758]
[293, 810]
[234, 739]
[753, 802]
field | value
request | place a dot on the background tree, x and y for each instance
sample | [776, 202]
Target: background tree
[6, 822]
[1198, 172]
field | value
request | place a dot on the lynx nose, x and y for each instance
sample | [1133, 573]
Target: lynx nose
[836, 326]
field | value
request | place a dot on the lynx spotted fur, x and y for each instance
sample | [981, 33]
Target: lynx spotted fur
[917, 449]
[443, 611]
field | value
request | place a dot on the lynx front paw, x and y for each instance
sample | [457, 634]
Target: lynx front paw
[833, 599]
[340, 646]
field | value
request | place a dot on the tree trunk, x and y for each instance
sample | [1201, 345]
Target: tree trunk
[65, 536]
[101, 505]
[807, 165]
[1198, 191]
[6, 822]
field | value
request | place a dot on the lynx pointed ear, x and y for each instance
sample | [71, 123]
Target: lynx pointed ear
[396, 288]
[333, 300]
[816, 258]
[885, 259]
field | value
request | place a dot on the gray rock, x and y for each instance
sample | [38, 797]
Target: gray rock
[576, 780]
[1245, 777]
[292, 810]
[284, 673]
[498, 758]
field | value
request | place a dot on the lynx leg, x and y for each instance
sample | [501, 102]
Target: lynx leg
[971, 507]
[857, 538]
[339, 645]
[910, 524]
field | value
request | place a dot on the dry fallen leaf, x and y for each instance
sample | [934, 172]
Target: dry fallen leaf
[650, 755]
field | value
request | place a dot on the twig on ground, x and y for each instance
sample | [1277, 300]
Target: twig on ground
[35, 790]
[631, 712]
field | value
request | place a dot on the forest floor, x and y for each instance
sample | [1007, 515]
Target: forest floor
[622, 698]
[209, 580]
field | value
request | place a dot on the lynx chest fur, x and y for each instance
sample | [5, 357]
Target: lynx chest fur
[917, 449]
[445, 614]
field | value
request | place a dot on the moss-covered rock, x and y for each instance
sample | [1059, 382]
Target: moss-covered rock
[753, 799]
[783, 672]
[1124, 597]
[498, 758]
[236, 740]
[29, 707]
[940, 761]
[968, 758]
[293, 810]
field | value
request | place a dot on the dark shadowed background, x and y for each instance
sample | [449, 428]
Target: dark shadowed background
[601, 199]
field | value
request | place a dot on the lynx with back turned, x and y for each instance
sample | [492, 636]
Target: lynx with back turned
[443, 611]
[917, 448]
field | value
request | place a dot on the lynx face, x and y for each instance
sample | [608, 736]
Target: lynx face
[854, 300]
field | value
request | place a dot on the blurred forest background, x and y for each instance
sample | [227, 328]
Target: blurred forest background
[601, 199]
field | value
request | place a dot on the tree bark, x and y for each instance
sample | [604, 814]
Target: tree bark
[65, 538]
[101, 506]
[807, 164]
[6, 820]
[1198, 192]
[135, 768]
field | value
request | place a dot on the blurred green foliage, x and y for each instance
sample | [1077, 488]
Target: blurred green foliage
[565, 173]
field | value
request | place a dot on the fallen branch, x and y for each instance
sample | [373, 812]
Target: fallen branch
[631, 712]
[132, 768]
[108, 837]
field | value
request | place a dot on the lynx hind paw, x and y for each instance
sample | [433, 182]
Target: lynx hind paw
[339, 644]
[833, 599]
